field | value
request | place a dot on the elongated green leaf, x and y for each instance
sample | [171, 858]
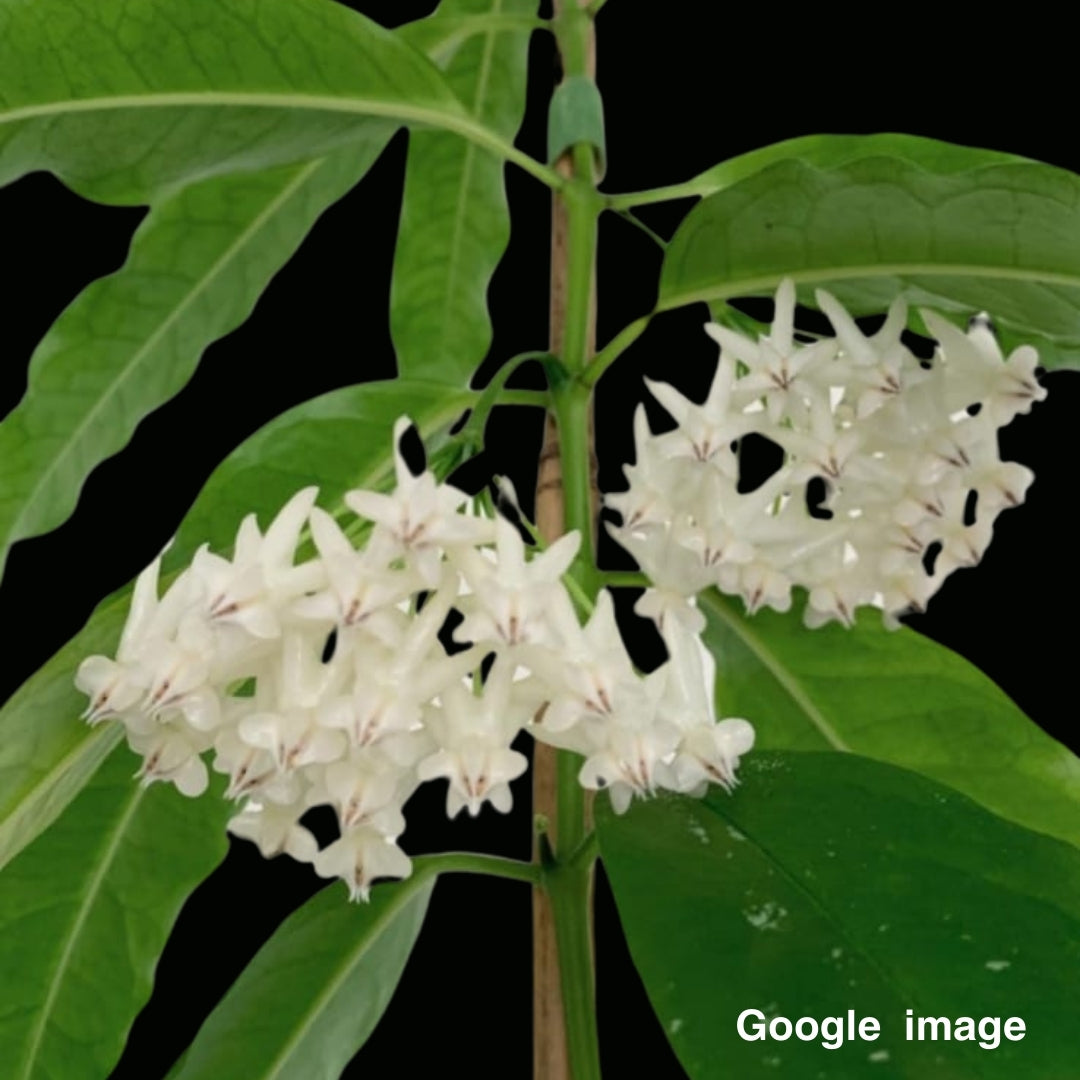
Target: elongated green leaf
[894, 696]
[455, 222]
[1004, 238]
[46, 753]
[314, 993]
[830, 882]
[84, 914]
[340, 440]
[121, 98]
[131, 340]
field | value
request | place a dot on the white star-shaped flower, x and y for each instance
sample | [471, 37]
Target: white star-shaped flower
[364, 588]
[248, 590]
[473, 734]
[422, 515]
[513, 597]
[361, 856]
[276, 829]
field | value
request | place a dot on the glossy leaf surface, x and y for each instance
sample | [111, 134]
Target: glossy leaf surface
[895, 696]
[997, 235]
[830, 882]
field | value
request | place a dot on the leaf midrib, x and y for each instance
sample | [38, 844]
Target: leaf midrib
[85, 747]
[818, 905]
[452, 116]
[408, 892]
[115, 836]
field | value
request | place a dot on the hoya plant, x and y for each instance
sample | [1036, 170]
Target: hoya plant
[665, 628]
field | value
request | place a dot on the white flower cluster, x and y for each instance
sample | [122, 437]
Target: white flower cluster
[906, 453]
[325, 682]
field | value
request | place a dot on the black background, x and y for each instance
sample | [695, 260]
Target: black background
[684, 88]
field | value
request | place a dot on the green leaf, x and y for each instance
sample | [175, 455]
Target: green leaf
[455, 221]
[315, 991]
[441, 34]
[130, 341]
[832, 151]
[46, 753]
[122, 98]
[830, 882]
[343, 438]
[1002, 237]
[84, 914]
[895, 696]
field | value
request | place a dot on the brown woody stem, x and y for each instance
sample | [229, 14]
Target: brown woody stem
[563, 985]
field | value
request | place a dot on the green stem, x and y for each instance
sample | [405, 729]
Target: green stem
[469, 863]
[573, 29]
[571, 803]
[570, 888]
[569, 883]
[536, 398]
[627, 579]
[586, 853]
[717, 178]
[584, 604]
[583, 211]
[507, 150]
[632, 219]
[495, 393]
[700, 185]
[614, 349]
[572, 402]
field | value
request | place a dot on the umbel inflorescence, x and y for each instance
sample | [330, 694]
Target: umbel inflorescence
[907, 453]
[326, 682]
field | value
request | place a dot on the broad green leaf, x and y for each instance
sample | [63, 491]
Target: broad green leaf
[895, 696]
[1004, 238]
[340, 440]
[455, 222]
[131, 340]
[314, 993]
[829, 882]
[122, 98]
[84, 914]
